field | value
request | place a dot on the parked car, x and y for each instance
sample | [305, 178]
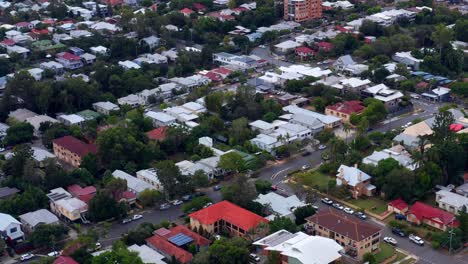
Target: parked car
[305, 167]
[164, 206]
[137, 216]
[390, 240]
[306, 153]
[361, 215]
[338, 206]
[254, 257]
[322, 147]
[316, 208]
[417, 240]
[217, 188]
[327, 201]
[187, 198]
[208, 204]
[398, 231]
[400, 217]
[53, 254]
[126, 220]
[348, 210]
[198, 194]
[177, 202]
[274, 187]
[27, 256]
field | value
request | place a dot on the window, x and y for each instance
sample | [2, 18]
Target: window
[14, 230]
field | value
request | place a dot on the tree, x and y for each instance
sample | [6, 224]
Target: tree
[400, 183]
[229, 251]
[48, 235]
[302, 213]
[90, 163]
[196, 204]
[369, 258]
[118, 254]
[232, 161]
[150, 197]
[214, 101]
[200, 179]
[103, 207]
[282, 222]
[240, 192]
[441, 127]
[31, 199]
[442, 36]
[263, 186]
[239, 131]
[19, 133]
[173, 182]
[461, 30]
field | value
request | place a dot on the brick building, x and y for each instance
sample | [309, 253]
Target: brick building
[302, 10]
[72, 150]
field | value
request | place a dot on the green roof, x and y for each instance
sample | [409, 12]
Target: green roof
[43, 45]
[89, 114]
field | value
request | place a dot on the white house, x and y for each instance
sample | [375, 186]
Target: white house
[160, 118]
[39, 217]
[105, 107]
[407, 59]
[150, 176]
[280, 206]
[132, 100]
[128, 65]
[396, 152]
[71, 119]
[134, 184]
[451, 202]
[357, 181]
[10, 228]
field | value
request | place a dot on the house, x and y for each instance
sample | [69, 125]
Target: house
[325, 46]
[452, 202]
[352, 84]
[134, 184]
[105, 108]
[88, 58]
[158, 134]
[147, 254]
[65, 206]
[23, 52]
[129, 65]
[10, 229]
[280, 206]
[227, 216]
[301, 248]
[72, 119]
[262, 127]
[439, 94]
[381, 92]
[357, 237]
[21, 114]
[39, 217]
[150, 176]
[104, 26]
[305, 52]
[410, 137]
[186, 12]
[396, 152]
[72, 150]
[398, 206]
[170, 54]
[37, 120]
[7, 192]
[99, 50]
[421, 213]
[160, 119]
[342, 62]
[84, 194]
[151, 41]
[89, 115]
[174, 243]
[36, 73]
[132, 100]
[407, 59]
[266, 142]
[299, 113]
[69, 61]
[286, 46]
[53, 66]
[357, 181]
[344, 110]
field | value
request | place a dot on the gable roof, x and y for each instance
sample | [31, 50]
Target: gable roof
[352, 174]
[423, 211]
[41, 216]
[348, 107]
[229, 212]
[399, 204]
[161, 244]
[345, 225]
[180, 229]
[75, 145]
[6, 220]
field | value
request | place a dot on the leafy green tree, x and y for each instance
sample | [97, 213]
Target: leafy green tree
[282, 222]
[229, 251]
[302, 213]
[240, 192]
[31, 199]
[118, 254]
[139, 234]
[263, 186]
[90, 163]
[173, 182]
[150, 197]
[461, 29]
[239, 131]
[196, 204]
[369, 258]
[48, 235]
[232, 161]
[214, 101]
[200, 179]
[19, 133]
[103, 206]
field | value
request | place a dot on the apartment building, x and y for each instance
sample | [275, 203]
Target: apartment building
[302, 10]
[72, 150]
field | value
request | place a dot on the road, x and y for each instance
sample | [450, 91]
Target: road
[266, 54]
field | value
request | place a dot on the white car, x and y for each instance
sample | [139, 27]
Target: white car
[262, 46]
[305, 167]
[208, 204]
[27, 256]
[254, 258]
[338, 206]
[177, 202]
[321, 147]
[53, 254]
[390, 240]
[137, 216]
[348, 210]
[417, 240]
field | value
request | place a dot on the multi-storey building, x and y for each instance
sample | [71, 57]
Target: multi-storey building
[302, 10]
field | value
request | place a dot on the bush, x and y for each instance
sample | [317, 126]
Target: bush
[435, 244]
[263, 186]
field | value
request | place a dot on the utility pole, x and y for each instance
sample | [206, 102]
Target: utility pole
[451, 234]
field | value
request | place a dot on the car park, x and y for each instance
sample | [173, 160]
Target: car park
[126, 220]
[254, 257]
[27, 257]
[327, 201]
[177, 202]
[417, 240]
[348, 210]
[164, 206]
[398, 231]
[137, 216]
[338, 206]
[360, 215]
[390, 240]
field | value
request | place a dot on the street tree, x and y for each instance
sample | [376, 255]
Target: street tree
[232, 161]
[301, 213]
[282, 222]
[241, 192]
[118, 254]
[19, 133]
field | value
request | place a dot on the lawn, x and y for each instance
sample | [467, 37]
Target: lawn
[369, 203]
[313, 179]
[386, 251]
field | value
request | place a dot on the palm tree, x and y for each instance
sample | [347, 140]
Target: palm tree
[346, 129]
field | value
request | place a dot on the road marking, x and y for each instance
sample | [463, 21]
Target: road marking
[279, 172]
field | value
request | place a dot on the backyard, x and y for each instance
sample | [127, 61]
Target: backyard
[371, 204]
[313, 179]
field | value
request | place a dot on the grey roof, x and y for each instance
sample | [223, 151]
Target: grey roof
[351, 175]
[408, 140]
[345, 60]
[7, 191]
[41, 216]
[308, 120]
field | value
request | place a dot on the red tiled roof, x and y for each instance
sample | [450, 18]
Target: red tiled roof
[199, 240]
[8, 42]
[229, 212]
[167, 248]
[423, 211]
[65, 260]
[304, 49]
[399, 204]
[342, 29]
[40, 31]
[85, 194]
[68, 56]
[157, 134]
[128, 195]
[213, 76]
[75, 145]
[422, 85]
[186, 11]
[343, 224]
[325, 45]
[199, 7]
[348, 107]
[222, 70]
[48, 21]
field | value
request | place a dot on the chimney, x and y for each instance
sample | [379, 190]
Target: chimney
[360, 176]
[355, 165]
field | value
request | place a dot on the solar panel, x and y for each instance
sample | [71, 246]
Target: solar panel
[180, 239]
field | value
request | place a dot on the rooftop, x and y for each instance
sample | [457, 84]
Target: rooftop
[422, 210]
[75, 145]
